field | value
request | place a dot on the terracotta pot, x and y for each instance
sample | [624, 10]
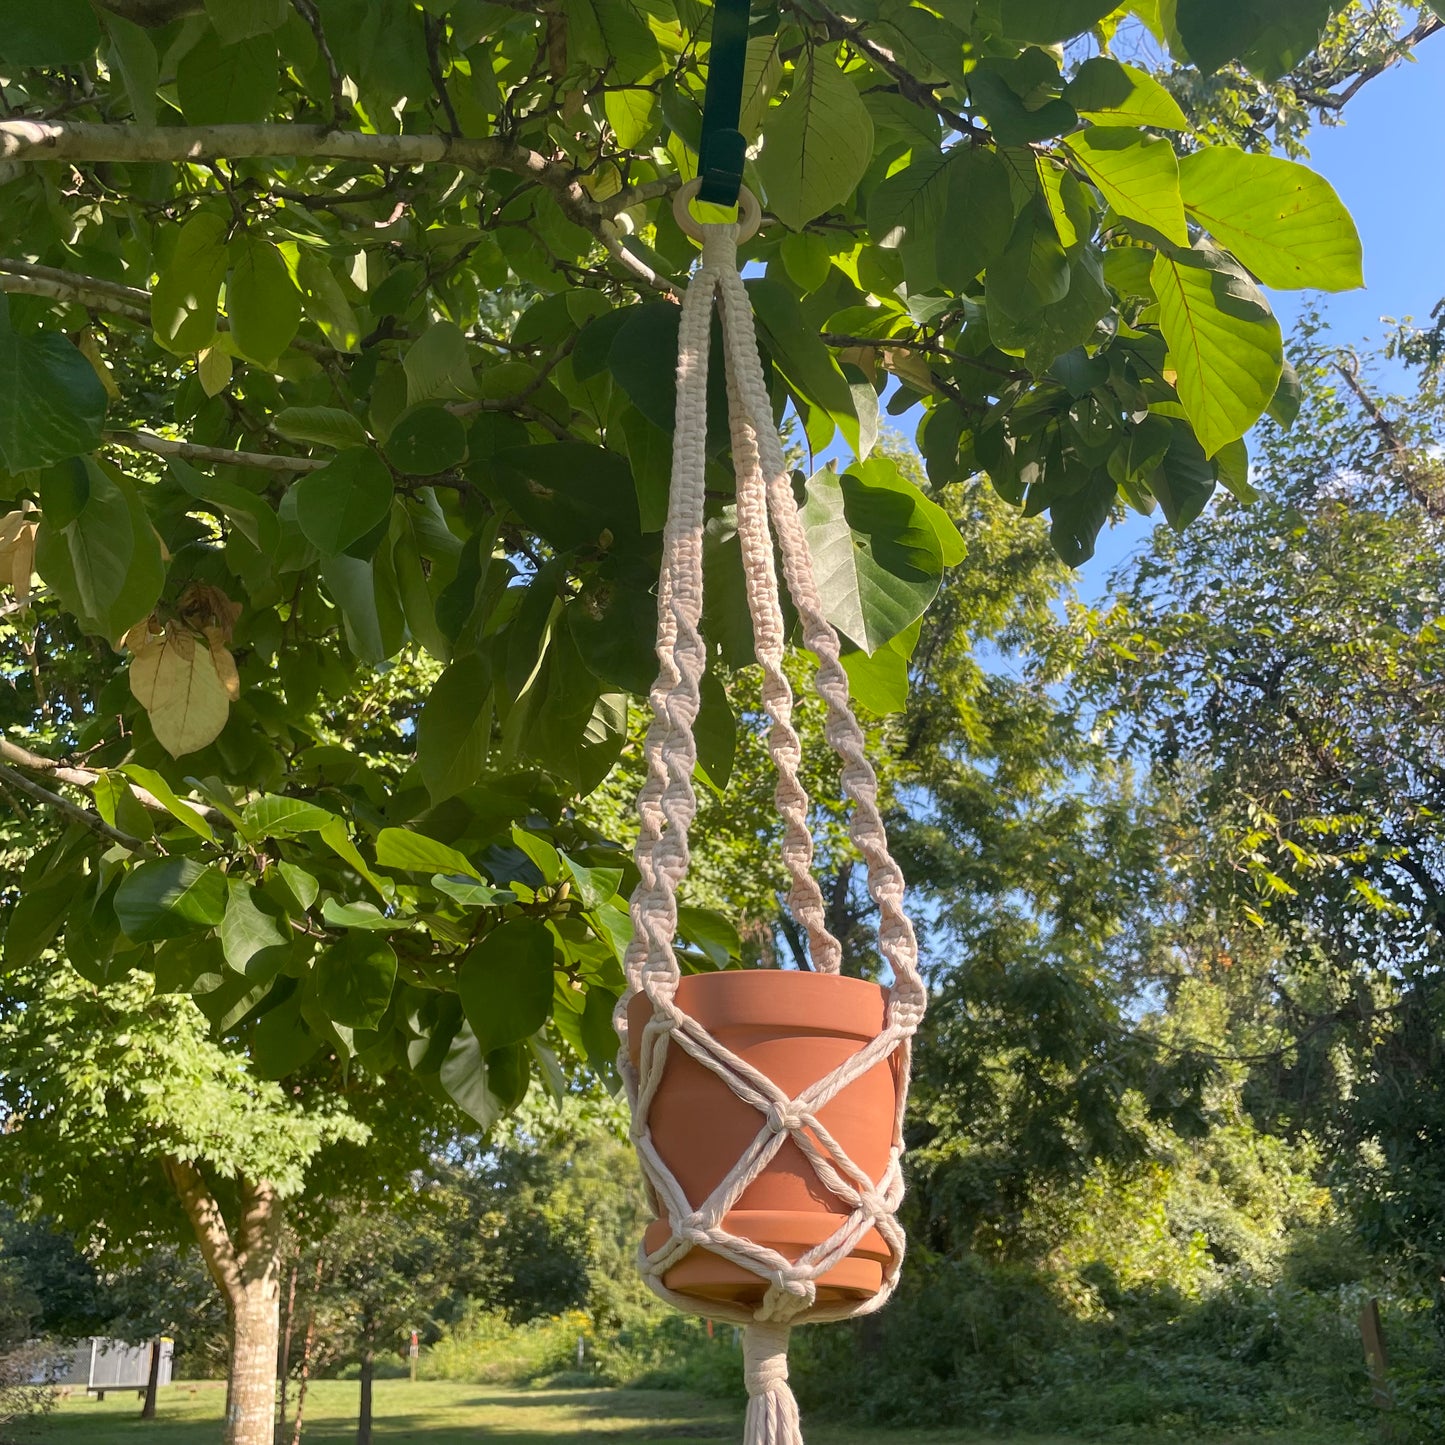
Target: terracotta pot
[795, 1028]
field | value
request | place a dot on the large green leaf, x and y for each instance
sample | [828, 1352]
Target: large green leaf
[506, 982]
[105, 561]
[184, 298]
[415, 852]
[437, 366]
[1223, 341]
[326, 426]
[261, 300]
[1138, 176]
[52, 403]
[56, 33]
[343, 502]
[485, 1086]
[1281, 219]
[1269, 38]
[978, 216]
[353, 979]
[228, 84]
[1042, 21]
[875, 554]
[272, 816]
[1108, 93]
[817, 143]
[1184, 480]
[454, 729]
[568, 492]
[254, 939]
[170, 897]
[239, 19]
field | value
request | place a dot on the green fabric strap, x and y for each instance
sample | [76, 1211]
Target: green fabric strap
[723, 150]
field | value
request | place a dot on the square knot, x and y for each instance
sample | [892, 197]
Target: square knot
[694, 1228]
[785, 1118]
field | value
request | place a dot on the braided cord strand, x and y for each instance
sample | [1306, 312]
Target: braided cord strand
[667, 805]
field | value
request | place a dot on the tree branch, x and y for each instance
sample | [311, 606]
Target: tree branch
[1337, 100]
[70, 291]
[1417, 479]
[148, 441]
[209, 1225]
[33, 140]
[67, 809]
[339, 109]
[87, 778]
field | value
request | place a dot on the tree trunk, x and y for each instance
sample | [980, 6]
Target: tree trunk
[308, 1343]
[283, 1365]
[363, 1424]
[255, 1338]
[245, 1265]
[153, 1380]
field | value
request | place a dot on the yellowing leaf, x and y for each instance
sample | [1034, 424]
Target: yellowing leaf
[175, 679]
[213, 366]
[17, 552]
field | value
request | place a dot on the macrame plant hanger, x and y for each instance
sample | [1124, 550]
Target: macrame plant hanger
[654, 1026]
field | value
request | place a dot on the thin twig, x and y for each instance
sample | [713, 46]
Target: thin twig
[148, 441]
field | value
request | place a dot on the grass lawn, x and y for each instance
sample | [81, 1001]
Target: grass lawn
[435, 1413]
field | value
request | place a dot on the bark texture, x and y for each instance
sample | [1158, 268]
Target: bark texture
[245, 1265]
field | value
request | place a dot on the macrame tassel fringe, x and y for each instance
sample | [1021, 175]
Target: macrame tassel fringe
[772, 1410]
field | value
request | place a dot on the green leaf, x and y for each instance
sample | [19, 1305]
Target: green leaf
[570, 493]
[978, 216]
[250, 930]
[1184, 480]
[711, 932]
[817, 144]
[281, 1041]
[302, 885]
[56, 33]
[454, 729]
[401, 848]
[880, 682]
[1033, 272]
[35, 919]
[185, 296]
[613, 621]
[596, 886]
[133, 54]
[506, 982]
[426, 440]
[1269, 38]
[1078, 518]
[158, 788]
[715, 732]
[1285, 404]
[798, 352]
[248, 513]
[1138, 176]
[52, 402]
[545, 858]
[170, 897]
[262, 301]
[228, 84]
[106, 562]
[469, 894]
[1280, 219]
[327, 426]
[357, 915]
[1108, 93]
[352, 980]
[1224, 343]
[240, 19]
[876, 556]
[1042, 21]
[906, 206]
[468, 1076]
[343, 502]
[272, 816]
[325, 302]
[437, 367]
[365, 589]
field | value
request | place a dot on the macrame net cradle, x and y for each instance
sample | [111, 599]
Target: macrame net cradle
[667, 805]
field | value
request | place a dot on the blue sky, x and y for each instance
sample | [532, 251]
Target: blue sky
[1382, 163]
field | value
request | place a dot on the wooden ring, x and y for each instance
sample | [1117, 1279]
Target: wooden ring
[750, 213]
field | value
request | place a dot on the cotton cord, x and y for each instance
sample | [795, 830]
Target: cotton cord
[767, 514]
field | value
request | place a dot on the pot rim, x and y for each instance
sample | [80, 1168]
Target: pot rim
[814, 1003]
